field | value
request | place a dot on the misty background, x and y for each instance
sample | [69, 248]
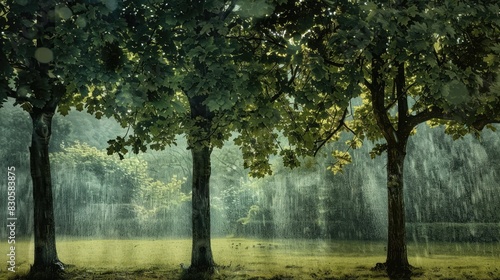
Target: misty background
[451, 188]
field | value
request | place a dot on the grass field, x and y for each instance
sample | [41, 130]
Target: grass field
[260, 259]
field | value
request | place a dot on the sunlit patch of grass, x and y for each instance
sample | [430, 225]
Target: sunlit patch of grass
[262, 259]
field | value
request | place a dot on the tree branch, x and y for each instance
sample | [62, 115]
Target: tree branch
[401, 93]
[289, 83]
[368, 84]
[378, 99]
[226, 13]
[483, 121]
[429, 114]
[333, 63]
[332, 133]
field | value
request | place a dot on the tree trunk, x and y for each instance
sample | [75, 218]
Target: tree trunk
[397, 260]
[396, 265]
[201, 257]
[46, 260]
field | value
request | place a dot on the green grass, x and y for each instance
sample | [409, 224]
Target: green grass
[261, 259]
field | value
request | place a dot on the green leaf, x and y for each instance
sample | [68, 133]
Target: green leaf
[455, 93]
[378, 150]
[343, 158]
[179, 107]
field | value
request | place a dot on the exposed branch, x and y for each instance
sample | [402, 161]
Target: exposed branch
[429, 114]
[437, 113]
[289, 83]
[377, 90]
[273, 40]
[484, 120]
[276, 96]
[400, 84]
[350, 129]
[333, 63]
[332, 133]
[226, 13]
[410, 86]
[130, 124]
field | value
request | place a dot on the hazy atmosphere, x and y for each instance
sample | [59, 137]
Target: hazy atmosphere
[308, 212]
[249, 139]
[452, 189]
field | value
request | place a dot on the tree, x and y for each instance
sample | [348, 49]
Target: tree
[405, 59]
[38, 69]
[27, 62]
[195, 68]
[410, 62]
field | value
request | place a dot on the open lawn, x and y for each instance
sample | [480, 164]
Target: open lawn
[260, 259]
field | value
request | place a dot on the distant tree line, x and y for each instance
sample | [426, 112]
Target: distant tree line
[113, 198]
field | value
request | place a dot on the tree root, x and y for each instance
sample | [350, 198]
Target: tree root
[403, 273]
[55, 271]
[379, 267]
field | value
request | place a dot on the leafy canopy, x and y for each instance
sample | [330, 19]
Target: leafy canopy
[204, 72]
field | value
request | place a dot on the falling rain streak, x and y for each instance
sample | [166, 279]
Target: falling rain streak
[451, 197]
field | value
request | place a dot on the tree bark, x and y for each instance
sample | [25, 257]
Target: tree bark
[397, 259]
[200, 145]
[396, 265]
[45, 259]
[201, 257]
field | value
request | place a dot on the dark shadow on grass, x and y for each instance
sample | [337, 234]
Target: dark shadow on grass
[404, 274]
[206, 273]
[49, 273]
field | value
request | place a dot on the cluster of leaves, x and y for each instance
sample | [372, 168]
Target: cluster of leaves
[306, 95]
[90, 158]
[19, 76]
[252, 213]
[202, 72]
[38, 53]
[127, 178]
[154, 197]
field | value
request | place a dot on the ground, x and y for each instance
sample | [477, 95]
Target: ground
[262, 259]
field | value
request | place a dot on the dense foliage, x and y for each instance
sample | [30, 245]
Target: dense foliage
[101, 188]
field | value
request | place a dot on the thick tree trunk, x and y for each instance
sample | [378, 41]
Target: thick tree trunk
[46, 259]
[396, 265]
[201, 258]
[397, 260]
[200, 144]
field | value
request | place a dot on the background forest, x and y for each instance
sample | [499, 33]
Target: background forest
[452, 189]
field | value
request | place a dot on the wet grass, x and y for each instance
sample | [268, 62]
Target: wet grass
[261, 259]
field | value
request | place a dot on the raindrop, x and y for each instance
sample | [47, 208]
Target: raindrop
[23, 91]
[81, 22]
[64, 12]
[110, 4]
[44, 55]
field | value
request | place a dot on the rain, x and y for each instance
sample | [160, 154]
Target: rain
[294, 220]
[252, 139]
